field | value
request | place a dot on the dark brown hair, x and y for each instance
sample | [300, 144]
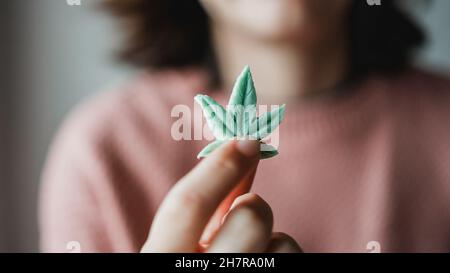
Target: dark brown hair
[174, 34]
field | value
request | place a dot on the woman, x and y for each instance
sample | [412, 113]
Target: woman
[363, 150]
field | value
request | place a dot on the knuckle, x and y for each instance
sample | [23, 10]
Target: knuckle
[258, 205]
[250, 217]
[185, 202]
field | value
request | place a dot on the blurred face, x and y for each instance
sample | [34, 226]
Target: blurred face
[307, 20]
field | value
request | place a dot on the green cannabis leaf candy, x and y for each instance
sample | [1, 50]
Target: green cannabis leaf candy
[239, 119]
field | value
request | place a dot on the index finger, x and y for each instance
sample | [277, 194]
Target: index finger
[183, 215]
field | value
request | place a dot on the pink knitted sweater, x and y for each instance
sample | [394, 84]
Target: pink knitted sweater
[373, 166]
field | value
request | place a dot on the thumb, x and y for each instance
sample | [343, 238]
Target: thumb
[242, 188]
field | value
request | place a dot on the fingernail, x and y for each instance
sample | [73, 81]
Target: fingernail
[249, 148]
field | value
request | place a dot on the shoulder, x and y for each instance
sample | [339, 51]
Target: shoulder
[417, 97]
[144, 104]
[124, 131]
[419, 88]
[132, 122]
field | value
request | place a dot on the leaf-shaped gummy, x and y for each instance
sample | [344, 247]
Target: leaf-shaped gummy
[215, 116]
[268, 122]
[244, 92]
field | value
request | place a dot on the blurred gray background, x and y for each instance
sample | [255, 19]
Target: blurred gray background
[54, 55]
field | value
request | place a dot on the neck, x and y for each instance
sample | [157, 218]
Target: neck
[283, 71]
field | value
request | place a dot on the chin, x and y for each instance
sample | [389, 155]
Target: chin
[282, 29]
[274, 19]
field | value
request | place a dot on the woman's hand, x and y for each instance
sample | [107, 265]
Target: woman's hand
[209, 210]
